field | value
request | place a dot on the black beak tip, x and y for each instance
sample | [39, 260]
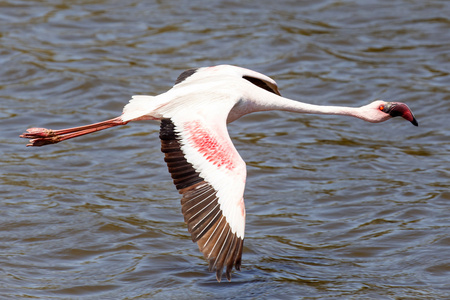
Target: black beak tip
[414, 122]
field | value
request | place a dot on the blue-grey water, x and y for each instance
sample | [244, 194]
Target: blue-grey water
[336, 208]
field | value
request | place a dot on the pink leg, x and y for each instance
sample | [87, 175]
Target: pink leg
[42, 136]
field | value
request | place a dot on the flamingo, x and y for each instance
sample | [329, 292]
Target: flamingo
[205, 167]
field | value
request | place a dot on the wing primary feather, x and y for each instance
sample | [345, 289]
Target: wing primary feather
[229, 257]
[211, 238]
[197, 235]
[222, 254]
[197, 212]
[262, 84]
[183, 76]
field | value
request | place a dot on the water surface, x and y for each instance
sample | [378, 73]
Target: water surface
[336, 208]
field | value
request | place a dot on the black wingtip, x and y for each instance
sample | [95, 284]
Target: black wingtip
[183, 76]
[219, 275]
[228, 273]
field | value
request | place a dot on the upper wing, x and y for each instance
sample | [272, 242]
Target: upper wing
[209, 173]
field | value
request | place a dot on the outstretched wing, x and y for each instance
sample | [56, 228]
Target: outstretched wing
[209, 173]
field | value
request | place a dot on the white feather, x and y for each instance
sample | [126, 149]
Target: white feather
[142, 107]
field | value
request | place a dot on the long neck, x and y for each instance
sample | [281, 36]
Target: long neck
[274, 102]
[301, 107]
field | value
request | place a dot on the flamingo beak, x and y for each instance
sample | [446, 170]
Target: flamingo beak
[395, 109]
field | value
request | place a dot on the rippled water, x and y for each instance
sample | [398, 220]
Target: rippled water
[336, 208]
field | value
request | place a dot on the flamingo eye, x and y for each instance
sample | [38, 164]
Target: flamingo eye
[381, 107]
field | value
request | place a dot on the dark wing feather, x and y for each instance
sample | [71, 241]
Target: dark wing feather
[185, 75]
[263, 84]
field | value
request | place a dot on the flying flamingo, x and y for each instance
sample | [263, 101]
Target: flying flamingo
[205, 167]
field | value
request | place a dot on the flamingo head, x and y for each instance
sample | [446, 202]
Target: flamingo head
[379, 111]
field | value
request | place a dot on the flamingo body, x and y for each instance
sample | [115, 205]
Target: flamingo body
[206, 168]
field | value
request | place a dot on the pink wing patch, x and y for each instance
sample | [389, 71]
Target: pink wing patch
[216, 151]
